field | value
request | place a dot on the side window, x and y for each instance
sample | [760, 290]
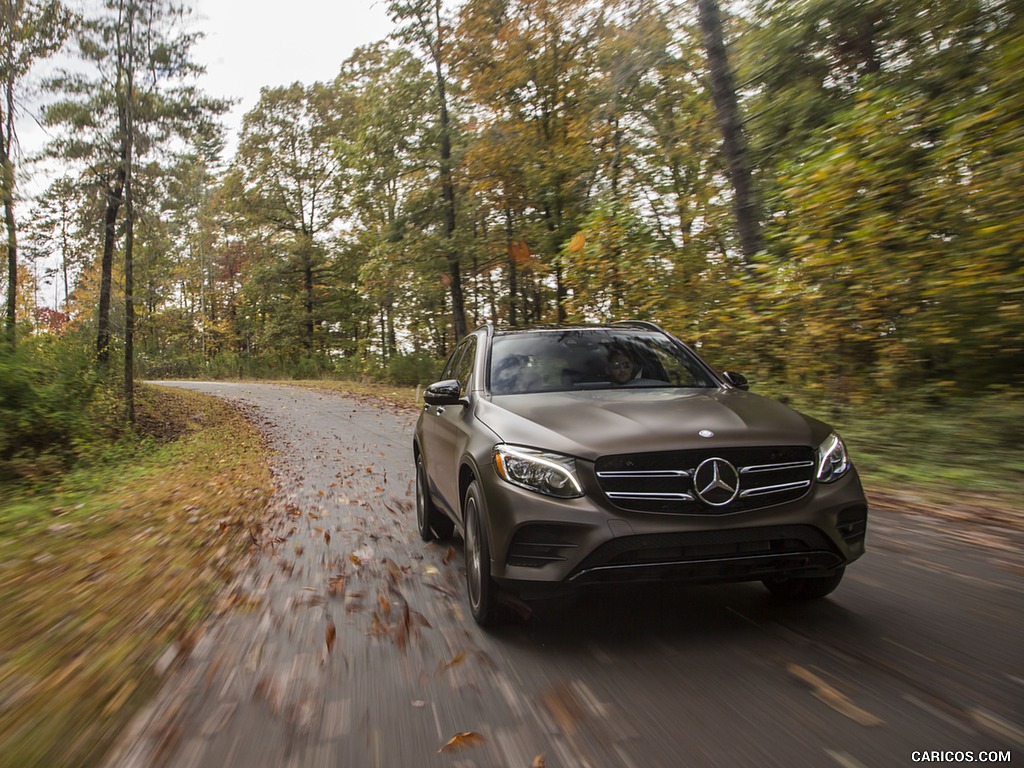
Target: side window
[449, 367]
[464, 371]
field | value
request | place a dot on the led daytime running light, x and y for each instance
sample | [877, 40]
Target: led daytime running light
[833, 461]
[546, 473]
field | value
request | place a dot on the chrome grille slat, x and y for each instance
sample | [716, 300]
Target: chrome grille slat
[765, 490]
[649, 474]
[776, 467]
[667, 496]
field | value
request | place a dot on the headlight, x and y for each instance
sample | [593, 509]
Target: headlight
[833, 462]
[548, 473]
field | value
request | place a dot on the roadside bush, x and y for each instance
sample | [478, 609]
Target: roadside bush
[355, 368]
[53, 407]
[412, 369]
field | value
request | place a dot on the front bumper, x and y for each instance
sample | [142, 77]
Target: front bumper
[538, 542]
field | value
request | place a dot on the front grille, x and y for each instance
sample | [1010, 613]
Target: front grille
[663, 482]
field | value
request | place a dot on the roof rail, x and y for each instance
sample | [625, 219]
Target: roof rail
[641, 324]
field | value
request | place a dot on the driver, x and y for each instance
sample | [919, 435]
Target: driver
[621, 367]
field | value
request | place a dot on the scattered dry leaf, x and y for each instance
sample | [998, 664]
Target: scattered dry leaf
[462, 740]
[336, 585]
[564, 707]
[832, 697]
[332, 633]
[453, 662]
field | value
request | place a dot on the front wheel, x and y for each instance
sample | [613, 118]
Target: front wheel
[431, 522]
[483, 592]
[804, 589]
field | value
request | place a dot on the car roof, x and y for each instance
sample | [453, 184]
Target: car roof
[618, 325]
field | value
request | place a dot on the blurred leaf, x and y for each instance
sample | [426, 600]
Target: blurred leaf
[462, 740]
[833, 698]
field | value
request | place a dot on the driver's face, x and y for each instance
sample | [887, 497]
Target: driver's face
[620, 369]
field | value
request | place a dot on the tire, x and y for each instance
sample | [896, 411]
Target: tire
[804, 589]
[431, 522]
[483, 592]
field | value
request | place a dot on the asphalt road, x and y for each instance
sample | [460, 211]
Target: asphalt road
[349, 642]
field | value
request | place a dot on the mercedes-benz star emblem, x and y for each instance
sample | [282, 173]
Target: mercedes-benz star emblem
[716, 482]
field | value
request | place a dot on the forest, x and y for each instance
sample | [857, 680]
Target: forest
[823, 194]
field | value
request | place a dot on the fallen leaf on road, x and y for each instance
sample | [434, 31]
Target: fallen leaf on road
[462, 740]
[832, 697]
[564, 707]
[336, 585]
[332, 633]
[453, 662]
[538, 762]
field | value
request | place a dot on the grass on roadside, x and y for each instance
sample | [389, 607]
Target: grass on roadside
[966, 449]
[105, 568]
[406, 397]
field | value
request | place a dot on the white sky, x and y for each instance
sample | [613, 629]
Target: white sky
[250, 44]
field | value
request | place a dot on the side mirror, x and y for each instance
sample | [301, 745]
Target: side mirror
[443, 393]
[737, 380]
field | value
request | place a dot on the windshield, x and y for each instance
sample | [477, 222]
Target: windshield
[599, 358]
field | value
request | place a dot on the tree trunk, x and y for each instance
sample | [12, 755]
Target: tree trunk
[448, 186]
[7, 170]
[115, 197]
[723, 91]
[129, 299]
[307, 302]
[513, 320]
[128, 151]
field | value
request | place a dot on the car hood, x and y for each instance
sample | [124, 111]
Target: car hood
[592, 423]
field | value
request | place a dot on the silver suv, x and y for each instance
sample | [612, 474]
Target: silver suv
[580, 455]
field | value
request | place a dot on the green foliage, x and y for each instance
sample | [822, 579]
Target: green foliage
[957, 447]
[54, 410]
[412, 369]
